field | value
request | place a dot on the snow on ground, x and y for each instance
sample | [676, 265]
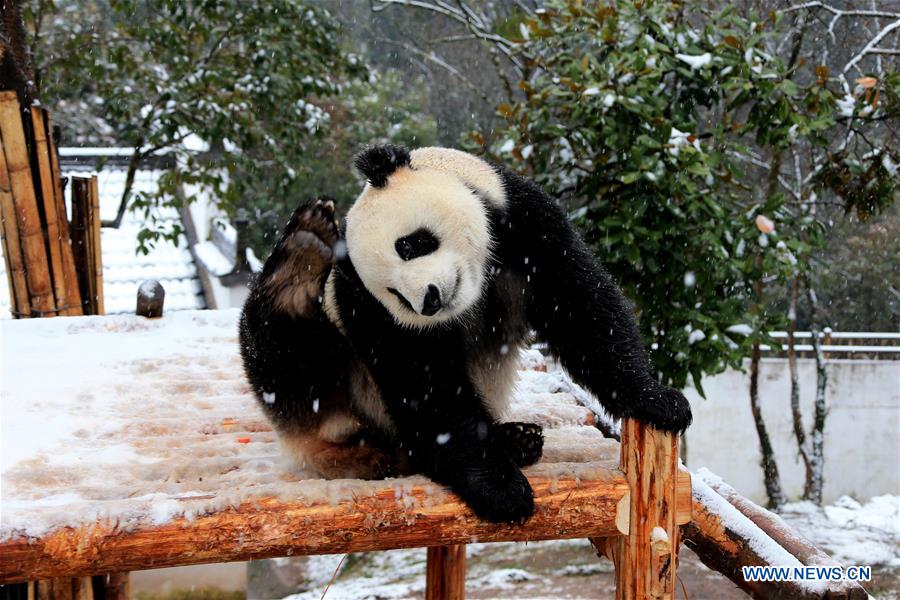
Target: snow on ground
[850, 532]
[141, 421]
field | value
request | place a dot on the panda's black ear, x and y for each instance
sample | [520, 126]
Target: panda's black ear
[378, 162]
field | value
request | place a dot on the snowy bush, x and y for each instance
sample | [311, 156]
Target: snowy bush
[662, 127]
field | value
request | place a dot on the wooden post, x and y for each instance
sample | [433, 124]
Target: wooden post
[445, 577]
[646, 558]
[151, 297]
[117, 586]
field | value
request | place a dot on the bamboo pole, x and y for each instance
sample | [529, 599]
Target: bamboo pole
[95, 240]
[45, 188]
[646, 558]
[81, 242]
[28, 219]
[445, 573]
[266, 527]
[12, 249]
[69, 273]
[86, 243]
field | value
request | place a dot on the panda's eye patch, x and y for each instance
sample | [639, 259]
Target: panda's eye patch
[421, 242]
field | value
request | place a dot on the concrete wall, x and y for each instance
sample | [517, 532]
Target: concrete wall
[862, 432]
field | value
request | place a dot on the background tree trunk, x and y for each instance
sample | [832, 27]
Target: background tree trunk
[796, 413]
[16, 72]
[812, 490]
[769, 466]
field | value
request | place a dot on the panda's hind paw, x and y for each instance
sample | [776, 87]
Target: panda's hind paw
[524, 442]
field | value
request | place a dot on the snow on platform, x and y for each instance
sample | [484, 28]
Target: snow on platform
[137, 421]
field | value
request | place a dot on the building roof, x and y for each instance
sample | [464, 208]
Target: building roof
[123, 268]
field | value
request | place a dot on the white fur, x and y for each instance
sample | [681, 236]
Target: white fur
[469, 169]
[437, 200]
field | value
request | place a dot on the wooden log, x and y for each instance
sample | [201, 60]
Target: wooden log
[445, 573]
[44, 590]
[786, 536]
[266, 528]
[645, 559]
[725, 540]
[12, 249]
[28, 220]
[95, 240]
[71, 277]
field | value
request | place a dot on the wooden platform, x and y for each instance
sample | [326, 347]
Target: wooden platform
[156, 455]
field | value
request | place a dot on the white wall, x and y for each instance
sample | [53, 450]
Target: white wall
[862, 432]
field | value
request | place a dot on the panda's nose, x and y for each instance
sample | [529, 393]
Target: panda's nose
[432, 302]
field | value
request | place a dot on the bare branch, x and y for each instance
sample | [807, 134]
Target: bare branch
[841, 12]
[433, 58]
[464, 15]
[873, 43]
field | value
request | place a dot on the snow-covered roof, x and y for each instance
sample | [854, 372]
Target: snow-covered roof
[145, 420]
[123, 268]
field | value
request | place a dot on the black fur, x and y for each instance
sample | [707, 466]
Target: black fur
[292, 360]
[576, 307]
[378, 162]
[542, 277]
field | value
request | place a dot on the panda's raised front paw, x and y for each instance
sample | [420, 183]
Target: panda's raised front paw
[498, 495]
[316, 217]
[663, 408]
[295, 273]
[524, 442]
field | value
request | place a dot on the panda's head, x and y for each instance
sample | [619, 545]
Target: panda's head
[419, 234]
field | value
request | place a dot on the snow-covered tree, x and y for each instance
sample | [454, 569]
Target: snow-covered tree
[227, 87]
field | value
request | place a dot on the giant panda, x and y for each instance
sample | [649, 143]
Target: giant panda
[390, 346]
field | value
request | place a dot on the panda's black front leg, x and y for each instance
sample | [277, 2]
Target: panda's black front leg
[577, 308]
[472, 458]
[441, 420]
